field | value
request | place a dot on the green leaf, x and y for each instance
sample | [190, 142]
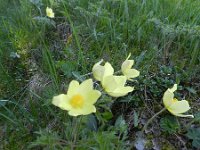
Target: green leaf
[135, 119]
[121, 124]
[46, 139]
[191, 90]
[169, 124]
[67, 68]
[77, 75]
[92, 122]
[197, 117]
[194, 134]
[107, 115]
[45, 20]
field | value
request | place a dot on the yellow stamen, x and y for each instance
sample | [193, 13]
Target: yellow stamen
[174, 100]
[77, 101]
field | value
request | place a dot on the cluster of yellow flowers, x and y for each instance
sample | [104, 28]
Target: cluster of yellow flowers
[80, 98]
[112, 84]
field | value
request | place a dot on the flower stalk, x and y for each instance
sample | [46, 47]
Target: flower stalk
[151, 119]
[76, 124]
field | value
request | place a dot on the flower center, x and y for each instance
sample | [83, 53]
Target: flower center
[174, 100]
[77, 101]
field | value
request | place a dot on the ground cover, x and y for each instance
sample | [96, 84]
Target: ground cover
[39, 56]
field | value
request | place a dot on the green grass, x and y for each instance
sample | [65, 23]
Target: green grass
[163, 37]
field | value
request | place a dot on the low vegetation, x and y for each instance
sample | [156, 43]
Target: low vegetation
[42, 52]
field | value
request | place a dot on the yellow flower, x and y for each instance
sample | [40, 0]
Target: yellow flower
[49, 12]
[126, 68]
[79, 99]
[173, 105]
[99, 71]
[115, 86]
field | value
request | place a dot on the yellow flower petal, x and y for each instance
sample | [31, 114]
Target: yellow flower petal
[168, 98]
[73, 86]
[179, 107]
[73, 113]
[109, 83]
[121, 91]
[127, 64]
[182, 115]
[99, 71]
[88, 109]
[129, 55]
[120, 80]
[126, 69]
[86, 86]
[173, 89]
[108, 69]
[62, 102]
[132, 73]
[115, 86]
[49, 12]
[93, 96]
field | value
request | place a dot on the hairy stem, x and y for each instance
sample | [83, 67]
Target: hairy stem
[76, 123]
[151, 119]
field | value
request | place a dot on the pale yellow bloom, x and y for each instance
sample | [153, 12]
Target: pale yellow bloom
[99, 71]
[173, 105]
[115, 86]
[80, 98]
[49, 12]
[127, 69]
